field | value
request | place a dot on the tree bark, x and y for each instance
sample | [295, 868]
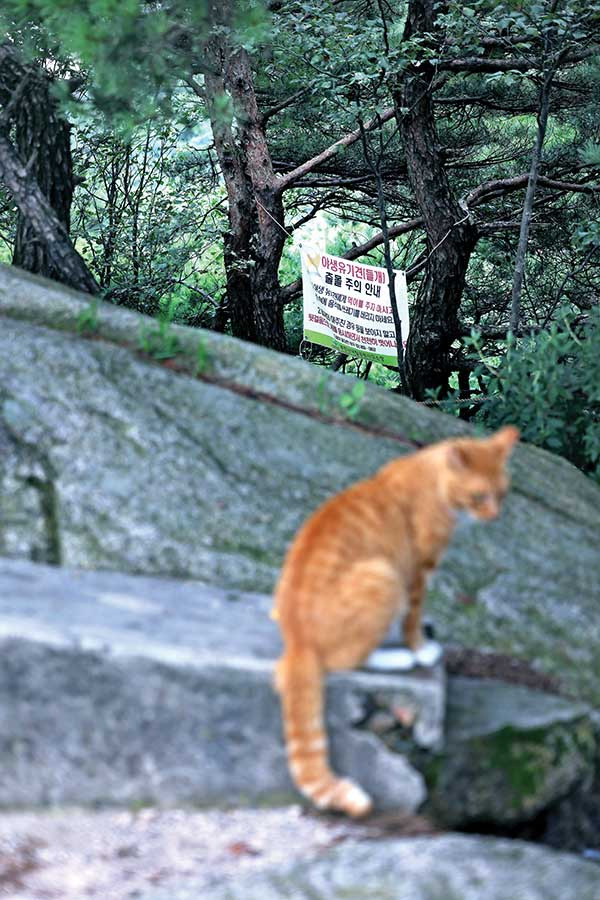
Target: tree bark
[38, 173]
[451, 237]
[43, 142]
[254, 243]
[49, 231]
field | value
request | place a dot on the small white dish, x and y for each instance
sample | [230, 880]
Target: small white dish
[401, 659]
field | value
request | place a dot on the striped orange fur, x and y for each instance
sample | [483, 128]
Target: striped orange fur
[360, 561]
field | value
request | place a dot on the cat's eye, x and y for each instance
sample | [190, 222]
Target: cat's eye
[479, 498]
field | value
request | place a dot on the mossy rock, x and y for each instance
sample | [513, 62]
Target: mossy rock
[510, 753]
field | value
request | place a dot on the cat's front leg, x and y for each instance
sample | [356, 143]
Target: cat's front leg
[426, 652]
[412, 626]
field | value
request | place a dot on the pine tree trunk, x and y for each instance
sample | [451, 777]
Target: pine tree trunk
[43, 142]
[450, 235]
[38, 174]
[49, 231]
[254, 243]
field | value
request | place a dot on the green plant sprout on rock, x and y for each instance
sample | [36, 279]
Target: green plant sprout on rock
[350, 402]
[201, 358]
[87, 320]
[321, 395]
[160, 342]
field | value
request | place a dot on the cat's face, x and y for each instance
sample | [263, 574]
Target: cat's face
[477, 480]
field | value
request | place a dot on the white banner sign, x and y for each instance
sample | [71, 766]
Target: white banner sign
[347, 307]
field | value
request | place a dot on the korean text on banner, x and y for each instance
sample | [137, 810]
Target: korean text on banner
[347, 307]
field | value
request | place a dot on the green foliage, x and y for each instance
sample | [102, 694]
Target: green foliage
[588, 235]
[135, 52]
[590, 153]
[87, 320]
[160, 342]
[350, 402]
[549, 386]
[522, 23]
[149, 232]
[202, 358]
[124, 43]
[294, 325]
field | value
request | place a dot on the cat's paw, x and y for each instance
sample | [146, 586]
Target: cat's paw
[429, 653]
[349, 797]
[339, 795]
[390, 659]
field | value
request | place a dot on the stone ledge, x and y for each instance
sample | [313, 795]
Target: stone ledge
[127, 690]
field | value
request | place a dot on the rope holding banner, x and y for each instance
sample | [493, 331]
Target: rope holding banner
[279, 225]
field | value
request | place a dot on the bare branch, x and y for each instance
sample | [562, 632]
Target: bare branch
[197, 88]
[478, 100]
[532, 183]
[506, 225]
[500, 186]
[514, 64]
[284, 182]
[322, 203]
[283, 104]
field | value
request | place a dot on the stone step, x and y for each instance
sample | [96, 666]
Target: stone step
[121, 689]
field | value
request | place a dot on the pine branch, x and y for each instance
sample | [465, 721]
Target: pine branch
[284, 182]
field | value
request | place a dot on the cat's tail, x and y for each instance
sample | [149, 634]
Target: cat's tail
[299, 680]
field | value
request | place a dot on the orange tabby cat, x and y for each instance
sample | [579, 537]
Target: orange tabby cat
[360, 561]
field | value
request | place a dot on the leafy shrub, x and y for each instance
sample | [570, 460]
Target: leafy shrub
[549, 386]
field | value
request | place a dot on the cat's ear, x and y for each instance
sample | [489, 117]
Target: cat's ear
[506, 438]
[457, 456]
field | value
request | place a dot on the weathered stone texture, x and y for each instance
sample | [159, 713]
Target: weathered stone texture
[450, 867]
[510, 752]
[112, 461]
[130, 690]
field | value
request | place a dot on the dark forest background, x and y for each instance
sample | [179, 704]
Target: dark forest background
[159, 155]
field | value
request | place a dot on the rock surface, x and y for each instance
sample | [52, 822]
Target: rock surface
[136, 690]
[275, 853]
[71, 854]
[109, 460]
[450, 867]
[132, 689]
[510, 752]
